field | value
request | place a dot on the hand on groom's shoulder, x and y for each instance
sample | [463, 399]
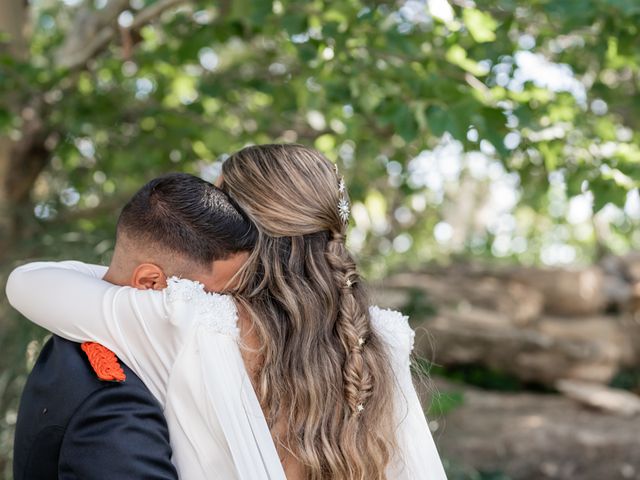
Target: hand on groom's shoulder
[73, 425]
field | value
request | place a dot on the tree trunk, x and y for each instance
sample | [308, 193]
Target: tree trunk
[22, 158]
[12, 21]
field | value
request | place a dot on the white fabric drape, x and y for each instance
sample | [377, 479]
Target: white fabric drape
[246, 431]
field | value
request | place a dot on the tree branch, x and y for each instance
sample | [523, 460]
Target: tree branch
[153, 11]
[92, 31]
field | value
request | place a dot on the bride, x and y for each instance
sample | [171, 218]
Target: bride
[289, 375]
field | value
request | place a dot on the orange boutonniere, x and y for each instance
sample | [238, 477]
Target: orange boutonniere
[104, 362]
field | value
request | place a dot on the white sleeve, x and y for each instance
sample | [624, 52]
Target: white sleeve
[418, 457]
[71, 300]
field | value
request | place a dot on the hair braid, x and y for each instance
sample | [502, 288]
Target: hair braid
[352, 324]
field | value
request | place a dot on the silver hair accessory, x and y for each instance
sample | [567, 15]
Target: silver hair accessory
[344, 210]
[360, 407]
[360, 341]
[344, 207]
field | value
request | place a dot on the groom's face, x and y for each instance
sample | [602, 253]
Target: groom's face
[221, 275]
[148, 267]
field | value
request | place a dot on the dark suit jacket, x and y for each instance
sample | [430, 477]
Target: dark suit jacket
[73, 426]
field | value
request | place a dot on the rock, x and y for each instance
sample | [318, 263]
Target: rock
[500, 319]
[618, 293]
[608, 335]
[566, 291]
[537, 437]
[459, 288]
[631, 266]
[601, 397]
[591, 350]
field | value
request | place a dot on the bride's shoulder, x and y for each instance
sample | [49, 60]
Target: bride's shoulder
[393, 326]
[188, 301]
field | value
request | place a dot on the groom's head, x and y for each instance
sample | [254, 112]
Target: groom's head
[179, 224]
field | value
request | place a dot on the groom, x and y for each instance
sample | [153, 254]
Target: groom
[84, 415]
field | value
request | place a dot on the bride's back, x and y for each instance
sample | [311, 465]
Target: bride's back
[319, 369]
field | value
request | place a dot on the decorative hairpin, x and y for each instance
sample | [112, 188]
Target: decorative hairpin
[360, 341]
[360, 407]
[344, 208]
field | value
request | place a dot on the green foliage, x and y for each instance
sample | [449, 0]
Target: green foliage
[484, 378]
[456, 471]
[628, 379]
[418, 304]
[444, 402]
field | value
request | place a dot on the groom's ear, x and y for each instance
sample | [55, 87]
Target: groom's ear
[148, 276]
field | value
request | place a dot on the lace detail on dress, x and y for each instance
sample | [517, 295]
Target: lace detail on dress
[213, 310]
[394, 328]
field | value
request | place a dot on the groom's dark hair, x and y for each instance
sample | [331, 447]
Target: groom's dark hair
[186, 215]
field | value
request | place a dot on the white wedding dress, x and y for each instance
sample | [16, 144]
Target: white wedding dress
[183, 343]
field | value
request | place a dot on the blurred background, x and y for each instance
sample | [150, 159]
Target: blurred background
[491, 152]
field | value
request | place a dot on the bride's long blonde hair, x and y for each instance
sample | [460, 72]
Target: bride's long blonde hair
[302, 292]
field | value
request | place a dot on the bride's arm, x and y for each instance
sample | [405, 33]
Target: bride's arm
[70, 299]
